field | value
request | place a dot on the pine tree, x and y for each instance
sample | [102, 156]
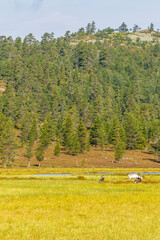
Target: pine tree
[25, 127]
[119, 148]
[88, 146]
[88, 28]
[33, 133]
[57, 149]
[46, 134]
[8, 141]
[50, 126]
[29, 153]
[68, 133]
[82, 136]
[136, 28]
[40, 154]
[76, 145]
[131, 129]
[59, 129]
[32, 136]
[93, 27]
[97, 133]
[118, 138]
[123, 28]
[156, 146]
[151, 27]
[122, 135]
[114, 130]
[45, 139]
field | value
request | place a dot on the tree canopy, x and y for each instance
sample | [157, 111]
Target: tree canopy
[71, 88]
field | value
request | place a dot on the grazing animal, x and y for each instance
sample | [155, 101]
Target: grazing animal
[101, 180]
[137, 180]
[134, 176]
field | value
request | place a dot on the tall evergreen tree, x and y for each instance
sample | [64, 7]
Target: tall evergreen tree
[82, 136]
[119, 148]
[32, 136]
[131, 129]
[75, 145]
[114, 130]
[57, 149]
[8, 141]
[40, 154]
[68, 133]
[97, 133]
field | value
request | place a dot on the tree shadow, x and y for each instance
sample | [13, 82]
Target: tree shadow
[152, 160]
[150, 153]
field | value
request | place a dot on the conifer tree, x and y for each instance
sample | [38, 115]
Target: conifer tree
[119, 148]
[40, 154]
[29, 153]
[46, 133]
[97, 133]
[123, 27]
[94, 132]
[50, 127]
[32, 136]
[114, 130]
[82, 137]
[93, 27]
[76, 145]
[131, 129]
[25, 127]
[68, 133]
[88, 146]
[122, 134]
[57, 149]
[59, 129]
[45, 139]
[8, 141]
[117, 138]
[107, 127]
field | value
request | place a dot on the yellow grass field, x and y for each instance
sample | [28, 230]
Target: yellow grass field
[35, 207]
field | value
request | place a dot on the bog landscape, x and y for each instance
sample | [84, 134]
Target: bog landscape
[79, 113]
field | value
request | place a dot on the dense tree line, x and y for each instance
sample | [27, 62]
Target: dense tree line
[81, 94]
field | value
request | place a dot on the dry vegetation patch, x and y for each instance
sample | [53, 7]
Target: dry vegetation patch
[93, 159]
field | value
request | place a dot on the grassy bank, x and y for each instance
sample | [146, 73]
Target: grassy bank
[32, 171]
[78, 207]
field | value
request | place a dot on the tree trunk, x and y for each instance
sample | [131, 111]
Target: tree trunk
[4, 164]
[29, 163]
[39, 163]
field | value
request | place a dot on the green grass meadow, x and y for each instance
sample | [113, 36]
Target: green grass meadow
[78, 207]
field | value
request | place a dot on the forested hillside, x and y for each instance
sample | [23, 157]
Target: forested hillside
[79, 90]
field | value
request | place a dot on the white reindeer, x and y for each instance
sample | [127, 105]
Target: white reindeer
[134, 176]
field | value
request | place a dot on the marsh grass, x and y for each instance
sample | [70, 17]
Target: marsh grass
[78, 207]
[29, 171]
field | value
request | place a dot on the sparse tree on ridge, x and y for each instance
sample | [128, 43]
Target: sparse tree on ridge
[136, 28]
[93, 27]
[151, 27]
[123, 28]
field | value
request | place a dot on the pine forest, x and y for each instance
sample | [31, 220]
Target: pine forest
[89, 89]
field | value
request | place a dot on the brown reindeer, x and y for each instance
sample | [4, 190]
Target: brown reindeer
[137, 180]
[102, 179]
